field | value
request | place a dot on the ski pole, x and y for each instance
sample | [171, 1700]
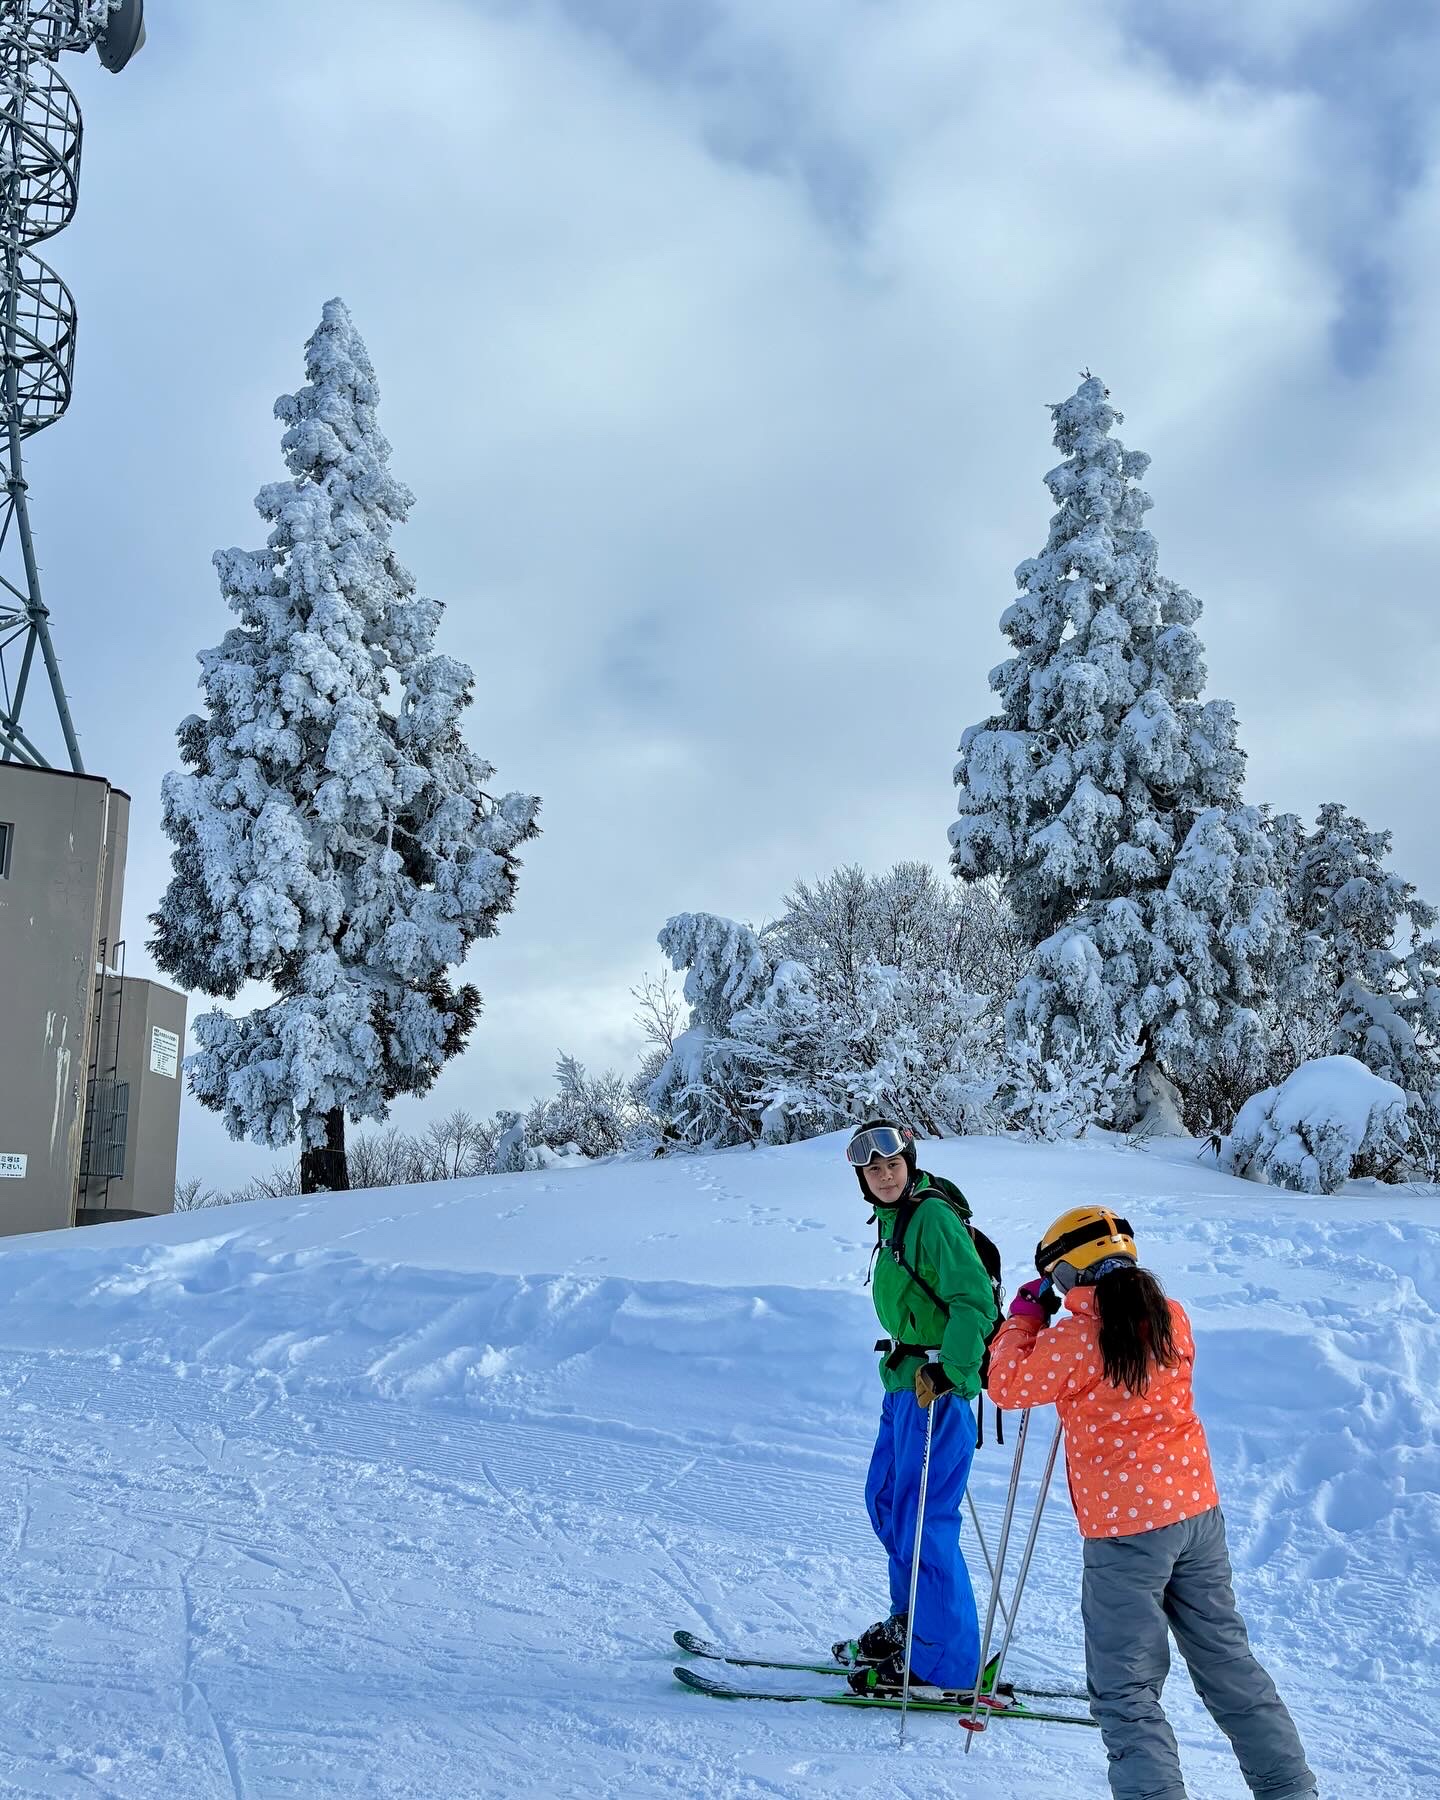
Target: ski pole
[1029, 1552]
[1000, 1551]
[915, 1562]
[985, 1550]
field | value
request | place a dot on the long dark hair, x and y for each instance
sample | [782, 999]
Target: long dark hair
[1136, 1333]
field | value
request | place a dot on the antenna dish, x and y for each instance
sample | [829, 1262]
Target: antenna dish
[122, 34]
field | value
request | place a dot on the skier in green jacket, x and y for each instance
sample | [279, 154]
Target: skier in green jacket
[933, 1298]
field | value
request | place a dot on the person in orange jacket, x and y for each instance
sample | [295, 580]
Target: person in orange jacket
[1118, 1373]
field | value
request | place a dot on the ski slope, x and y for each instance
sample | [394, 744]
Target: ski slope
[402, 1493]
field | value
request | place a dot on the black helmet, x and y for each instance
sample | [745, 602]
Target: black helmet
[863, 1148]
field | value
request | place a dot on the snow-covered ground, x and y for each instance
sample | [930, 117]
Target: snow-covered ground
[402, 1493]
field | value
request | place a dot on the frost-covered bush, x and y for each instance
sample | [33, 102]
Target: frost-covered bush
[591, 1115]
[704, 1089]
[1311, 1131]
[788, 1046]
[772, 1052]
[908, 918]
[334, 835]
[920, 1049]
[910, 1043]
[1060, 1088]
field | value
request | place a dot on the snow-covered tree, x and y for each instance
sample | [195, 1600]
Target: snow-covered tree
[1087, 781]
[908, 918]
[1105, 794]
[789, 1047]
[333, 832]
[911, 1043]
[1199, 973]
[1063, 1089]
[595, 1113]
[1380, 960]
[703, 1089]
[1379, 963]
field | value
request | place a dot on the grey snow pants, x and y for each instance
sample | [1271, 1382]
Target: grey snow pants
[1136, 1590]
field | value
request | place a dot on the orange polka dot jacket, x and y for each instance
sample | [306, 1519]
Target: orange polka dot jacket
[1134, 1461]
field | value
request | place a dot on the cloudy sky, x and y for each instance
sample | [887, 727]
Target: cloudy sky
[715, 337]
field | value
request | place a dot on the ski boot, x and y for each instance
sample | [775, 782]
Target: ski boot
[874, 1644]
[887, 1678]
[881, 1678]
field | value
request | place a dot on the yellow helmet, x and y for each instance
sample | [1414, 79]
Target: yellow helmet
[1083, 1237]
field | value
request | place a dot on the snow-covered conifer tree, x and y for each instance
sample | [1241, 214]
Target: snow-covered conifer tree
[333, 833]
[1379, 959]
[1086, 782]
[1106, 792]
[1063, 1092]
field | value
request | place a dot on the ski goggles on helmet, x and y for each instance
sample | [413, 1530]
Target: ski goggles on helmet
[880, 1140]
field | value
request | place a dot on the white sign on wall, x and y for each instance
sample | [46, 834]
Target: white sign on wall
[12, 1166]
[164, 1052]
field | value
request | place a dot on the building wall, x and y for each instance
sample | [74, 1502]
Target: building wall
[148, 1052]
[51, 907]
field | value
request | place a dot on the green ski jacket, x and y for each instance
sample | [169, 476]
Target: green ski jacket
[939, 1248]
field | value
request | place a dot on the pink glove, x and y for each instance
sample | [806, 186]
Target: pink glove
[1037, 1301]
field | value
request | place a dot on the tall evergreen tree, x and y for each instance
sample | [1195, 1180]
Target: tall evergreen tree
[1087, 781]
[333, 833]
[1106, 792]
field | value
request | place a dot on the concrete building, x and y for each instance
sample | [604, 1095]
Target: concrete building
[89, 1059]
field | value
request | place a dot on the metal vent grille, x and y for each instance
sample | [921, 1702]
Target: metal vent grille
[102, 1156]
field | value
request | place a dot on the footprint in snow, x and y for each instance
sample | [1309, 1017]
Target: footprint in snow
[1332, 1562]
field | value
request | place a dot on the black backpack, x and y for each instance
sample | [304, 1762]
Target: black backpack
[939, 1188]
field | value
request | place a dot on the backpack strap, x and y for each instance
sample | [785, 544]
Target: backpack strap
[945, 1189]
[895, 1244]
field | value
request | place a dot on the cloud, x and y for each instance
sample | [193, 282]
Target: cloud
[1377, 90]
[715, 342]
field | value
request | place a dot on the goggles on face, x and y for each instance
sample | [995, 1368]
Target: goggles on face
[880, 1140]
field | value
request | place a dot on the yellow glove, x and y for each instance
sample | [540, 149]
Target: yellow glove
[931, 1382]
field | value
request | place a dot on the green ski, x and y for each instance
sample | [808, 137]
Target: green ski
[698, 1646]
[922, 1699]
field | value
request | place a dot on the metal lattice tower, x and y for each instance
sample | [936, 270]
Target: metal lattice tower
[39, 188]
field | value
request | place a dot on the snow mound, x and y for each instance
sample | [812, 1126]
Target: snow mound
[1308, 1133]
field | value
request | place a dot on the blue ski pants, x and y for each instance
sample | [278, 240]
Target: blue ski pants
[946, 1649]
